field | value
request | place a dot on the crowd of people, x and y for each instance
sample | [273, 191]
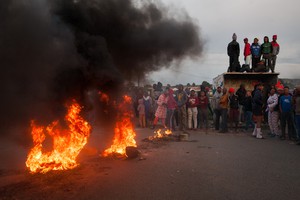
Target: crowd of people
[176, 109]
[262, 56]
[243, 110]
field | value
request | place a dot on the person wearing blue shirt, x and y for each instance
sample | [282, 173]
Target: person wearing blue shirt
[286, 110]
[256, 53]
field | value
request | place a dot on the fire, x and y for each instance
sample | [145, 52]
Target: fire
[124, 133]
[104, 97]
[160, 134]
[67, 144]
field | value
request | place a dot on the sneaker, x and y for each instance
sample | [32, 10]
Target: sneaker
[259, 136]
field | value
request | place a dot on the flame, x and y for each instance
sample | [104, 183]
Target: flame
[104, 97]
[124, 133]
[160, 134]
[67, 144]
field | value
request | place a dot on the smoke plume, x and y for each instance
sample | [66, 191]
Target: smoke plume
[56, 50]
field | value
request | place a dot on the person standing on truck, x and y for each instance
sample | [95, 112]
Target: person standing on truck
[223, 103]
[216, 107]
[247, 52]
[257, 109]
[256, 53]
[233, 51]
[275, 52]
[266, 50]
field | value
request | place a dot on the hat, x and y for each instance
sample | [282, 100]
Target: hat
[280, 88]
[231, 90]
[274, 36]
[234, 36]
[279, 85]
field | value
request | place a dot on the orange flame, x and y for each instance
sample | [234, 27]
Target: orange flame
[67, 144]
[124, 133]
[160, 134]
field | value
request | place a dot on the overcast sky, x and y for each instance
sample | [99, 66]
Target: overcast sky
[219, 19]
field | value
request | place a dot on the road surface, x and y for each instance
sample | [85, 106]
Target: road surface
[208, 166]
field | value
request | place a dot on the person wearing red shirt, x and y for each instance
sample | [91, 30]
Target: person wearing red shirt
[171, 107]
[247, 52]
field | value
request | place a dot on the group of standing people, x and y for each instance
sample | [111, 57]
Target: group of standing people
[189, 110]
[263, 56]
[282, 109]
[227, 104]
[183, 108]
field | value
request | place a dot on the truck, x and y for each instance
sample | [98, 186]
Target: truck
[250, 79]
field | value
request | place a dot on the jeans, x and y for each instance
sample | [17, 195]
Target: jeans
[273, 62]
[286, 119]
[170, 119]
[248, 120]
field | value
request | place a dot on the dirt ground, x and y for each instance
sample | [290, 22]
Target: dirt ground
[207, 166]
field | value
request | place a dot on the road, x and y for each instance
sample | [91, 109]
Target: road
[208, 166]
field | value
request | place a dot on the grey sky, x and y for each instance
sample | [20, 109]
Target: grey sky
[219, 19]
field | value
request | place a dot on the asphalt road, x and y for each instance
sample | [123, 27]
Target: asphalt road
[208, 166]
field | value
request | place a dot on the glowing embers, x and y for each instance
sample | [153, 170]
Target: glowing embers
[124, 132]
[67, 144]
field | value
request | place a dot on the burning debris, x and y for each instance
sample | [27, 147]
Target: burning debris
[167, 135]
[124, 132]
[161, 134]
[67, 144]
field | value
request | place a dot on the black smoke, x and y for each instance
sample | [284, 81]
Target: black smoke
[56, 50]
